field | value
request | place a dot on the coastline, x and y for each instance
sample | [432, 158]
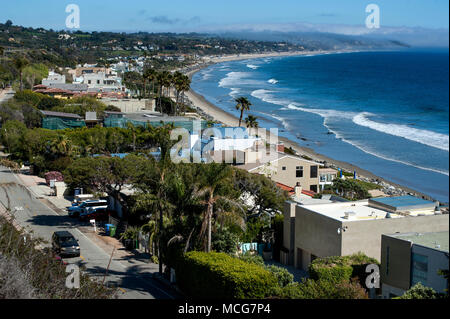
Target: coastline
[228, 119]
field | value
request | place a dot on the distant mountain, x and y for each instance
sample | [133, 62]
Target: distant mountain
[320, 41]
[339, 36]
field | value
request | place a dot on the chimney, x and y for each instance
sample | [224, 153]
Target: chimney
[280, 147]
[298, 190]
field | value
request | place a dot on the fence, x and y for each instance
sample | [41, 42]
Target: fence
[123, 123]
[54, 123]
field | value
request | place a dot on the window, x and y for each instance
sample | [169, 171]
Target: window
[299, 171]
[98, 81]
[283, 168]
[313, 188]
[314, 170]
[387, 260]
[89, 81]
[419, 269]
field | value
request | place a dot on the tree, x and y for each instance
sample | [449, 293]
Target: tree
[20, 63]
[243, 104]
[350, 189]
[215, 175]
[152, 183]
[183, 87]
[251, 122]
[2, 50]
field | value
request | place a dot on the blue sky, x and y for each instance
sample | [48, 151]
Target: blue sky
[199, 15]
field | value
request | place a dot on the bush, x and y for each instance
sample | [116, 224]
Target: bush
[343, 268]
[420, 292]
[224, 240]
[250, 257]
[322, 289]
[283, 276]
[218, 275]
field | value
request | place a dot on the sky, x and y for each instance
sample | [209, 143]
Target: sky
[204, 15]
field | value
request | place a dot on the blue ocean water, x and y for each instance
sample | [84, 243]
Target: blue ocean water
[387, 112]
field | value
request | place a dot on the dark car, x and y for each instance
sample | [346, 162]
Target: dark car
[65, 245]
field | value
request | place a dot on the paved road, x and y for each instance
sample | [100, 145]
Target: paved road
[133, 280]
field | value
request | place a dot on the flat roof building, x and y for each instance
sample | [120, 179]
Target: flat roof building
[410, 258]
[344, 228]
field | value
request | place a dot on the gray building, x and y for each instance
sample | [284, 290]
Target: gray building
[344, 228]
[410, 258]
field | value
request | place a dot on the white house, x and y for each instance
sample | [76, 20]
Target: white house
[54, 78]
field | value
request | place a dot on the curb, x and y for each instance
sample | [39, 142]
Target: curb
[167, 284]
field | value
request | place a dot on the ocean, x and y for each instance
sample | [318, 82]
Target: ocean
[386, 112]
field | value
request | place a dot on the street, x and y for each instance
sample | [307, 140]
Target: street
[130, 275]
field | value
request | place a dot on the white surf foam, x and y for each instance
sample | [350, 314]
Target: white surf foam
[252, 66]
[425, 137]
[273, 81]
[327, 115]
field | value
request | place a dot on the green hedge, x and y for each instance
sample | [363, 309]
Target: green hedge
[336, 269]
[218, 275]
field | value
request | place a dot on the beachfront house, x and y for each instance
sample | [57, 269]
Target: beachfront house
[410, 258]
[224, 144]
[284, 169]
[316, 229]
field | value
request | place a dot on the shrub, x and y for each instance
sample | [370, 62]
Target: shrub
[250, 257]
[323, 289]
[332, 269]
[283, 276]
[224, 240]
[337, 269]
[218, 275]
[419, 291]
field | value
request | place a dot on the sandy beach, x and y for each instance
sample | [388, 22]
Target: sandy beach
[230, 120]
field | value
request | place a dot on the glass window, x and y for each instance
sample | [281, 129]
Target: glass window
[419, 269]
[387, 260]
[299, 171]
[314, 170]
[283, 168]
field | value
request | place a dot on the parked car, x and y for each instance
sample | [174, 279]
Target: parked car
[97, 213]
[81, 198]
[65, 244]
[74, 211]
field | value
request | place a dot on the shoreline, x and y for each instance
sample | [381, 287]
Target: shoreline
[216, 113]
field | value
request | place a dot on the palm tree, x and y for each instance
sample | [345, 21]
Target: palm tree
[177, 80]
[151, 76]
[148, 75]
[185, 86]
[251, 122]
[163, 80]
[62, 146]
[20, 63]
[154, 198]
[214, 176]
[243, 104]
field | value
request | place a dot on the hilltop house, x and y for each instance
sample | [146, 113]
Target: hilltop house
[284, 169]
